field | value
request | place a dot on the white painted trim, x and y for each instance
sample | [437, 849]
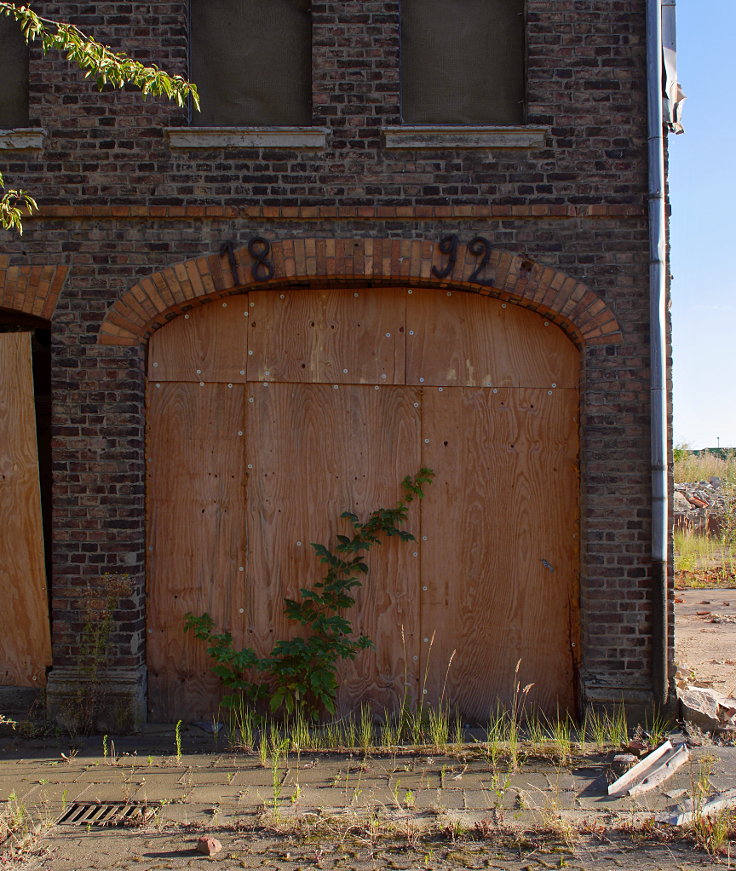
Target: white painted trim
[22, 139]
[460, 136]
[247, 137]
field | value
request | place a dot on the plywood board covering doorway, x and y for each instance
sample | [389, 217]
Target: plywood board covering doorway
[24, 618]
[330, 397]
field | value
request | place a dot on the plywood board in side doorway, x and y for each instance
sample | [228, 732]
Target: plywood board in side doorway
[24, 617]
[499, 566]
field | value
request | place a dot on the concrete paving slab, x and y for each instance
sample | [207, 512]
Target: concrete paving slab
[207, 791]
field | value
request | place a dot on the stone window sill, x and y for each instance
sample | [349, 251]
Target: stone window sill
[457, 136]
[247, 137]
[22, 139]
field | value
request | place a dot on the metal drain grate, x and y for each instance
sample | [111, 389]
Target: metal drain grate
[108, 813]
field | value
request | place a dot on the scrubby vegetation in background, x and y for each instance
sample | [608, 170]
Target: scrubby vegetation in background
[704, 465]
[707, 560]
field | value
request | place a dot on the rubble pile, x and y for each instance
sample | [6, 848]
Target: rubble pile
[709, 709]
[702, 506]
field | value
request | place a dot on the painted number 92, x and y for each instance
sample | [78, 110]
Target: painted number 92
[479, 247]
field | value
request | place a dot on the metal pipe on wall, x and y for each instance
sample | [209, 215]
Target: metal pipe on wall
[658, 353]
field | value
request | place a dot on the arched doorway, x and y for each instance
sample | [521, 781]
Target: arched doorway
[271, 412]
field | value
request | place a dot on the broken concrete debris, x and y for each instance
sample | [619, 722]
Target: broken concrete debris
[691, 811]
[652, 770]
[707, 708]
[701, 506]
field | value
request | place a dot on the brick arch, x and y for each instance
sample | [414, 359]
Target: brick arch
[32, 290]
[157, 298]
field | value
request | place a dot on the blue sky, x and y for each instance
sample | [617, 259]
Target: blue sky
[703, 228]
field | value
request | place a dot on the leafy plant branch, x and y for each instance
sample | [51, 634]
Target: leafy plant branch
[96, 60]
[301, 673]
[13, 204]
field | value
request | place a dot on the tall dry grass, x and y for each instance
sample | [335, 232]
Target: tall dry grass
[703, 466]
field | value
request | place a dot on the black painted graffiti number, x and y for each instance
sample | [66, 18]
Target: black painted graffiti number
[447, 245]
[480, 247]
[259, 249]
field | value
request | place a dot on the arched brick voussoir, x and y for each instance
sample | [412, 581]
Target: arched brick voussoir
[33, 290]
[331, 262]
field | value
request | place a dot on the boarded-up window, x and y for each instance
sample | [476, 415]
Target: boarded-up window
[462, 61]
[252, 62]
[14, 79]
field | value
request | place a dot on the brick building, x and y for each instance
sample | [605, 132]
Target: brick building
[424, 228]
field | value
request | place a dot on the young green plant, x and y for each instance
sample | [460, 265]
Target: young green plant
[301, 673]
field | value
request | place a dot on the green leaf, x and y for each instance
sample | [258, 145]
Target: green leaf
[301, 672]
[95, 60]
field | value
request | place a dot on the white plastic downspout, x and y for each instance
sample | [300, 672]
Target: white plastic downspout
[658, 353]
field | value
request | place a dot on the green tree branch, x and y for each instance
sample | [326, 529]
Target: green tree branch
[97, 61]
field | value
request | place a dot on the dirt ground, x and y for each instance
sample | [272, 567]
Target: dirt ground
[705, 637]
[356, 851]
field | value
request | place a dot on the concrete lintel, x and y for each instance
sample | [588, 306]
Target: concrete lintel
[456, 136]
[22, 139]
[247, 137]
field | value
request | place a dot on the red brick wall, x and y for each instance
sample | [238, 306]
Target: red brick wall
[118, 204]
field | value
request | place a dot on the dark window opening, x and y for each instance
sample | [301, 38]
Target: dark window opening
[14, 80]
[252, 62]
[462, 61]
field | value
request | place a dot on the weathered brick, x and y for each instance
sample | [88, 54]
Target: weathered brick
[130, 230]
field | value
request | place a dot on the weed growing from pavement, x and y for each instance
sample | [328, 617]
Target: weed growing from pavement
[365, 729]
[91, 700]
[511, 734]
[278, 749]
[263, 749]
[241, 726]
[656, 727]
[560, 731]
[19, 831]
[177, 741]
[606, 727]
[713, 833]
